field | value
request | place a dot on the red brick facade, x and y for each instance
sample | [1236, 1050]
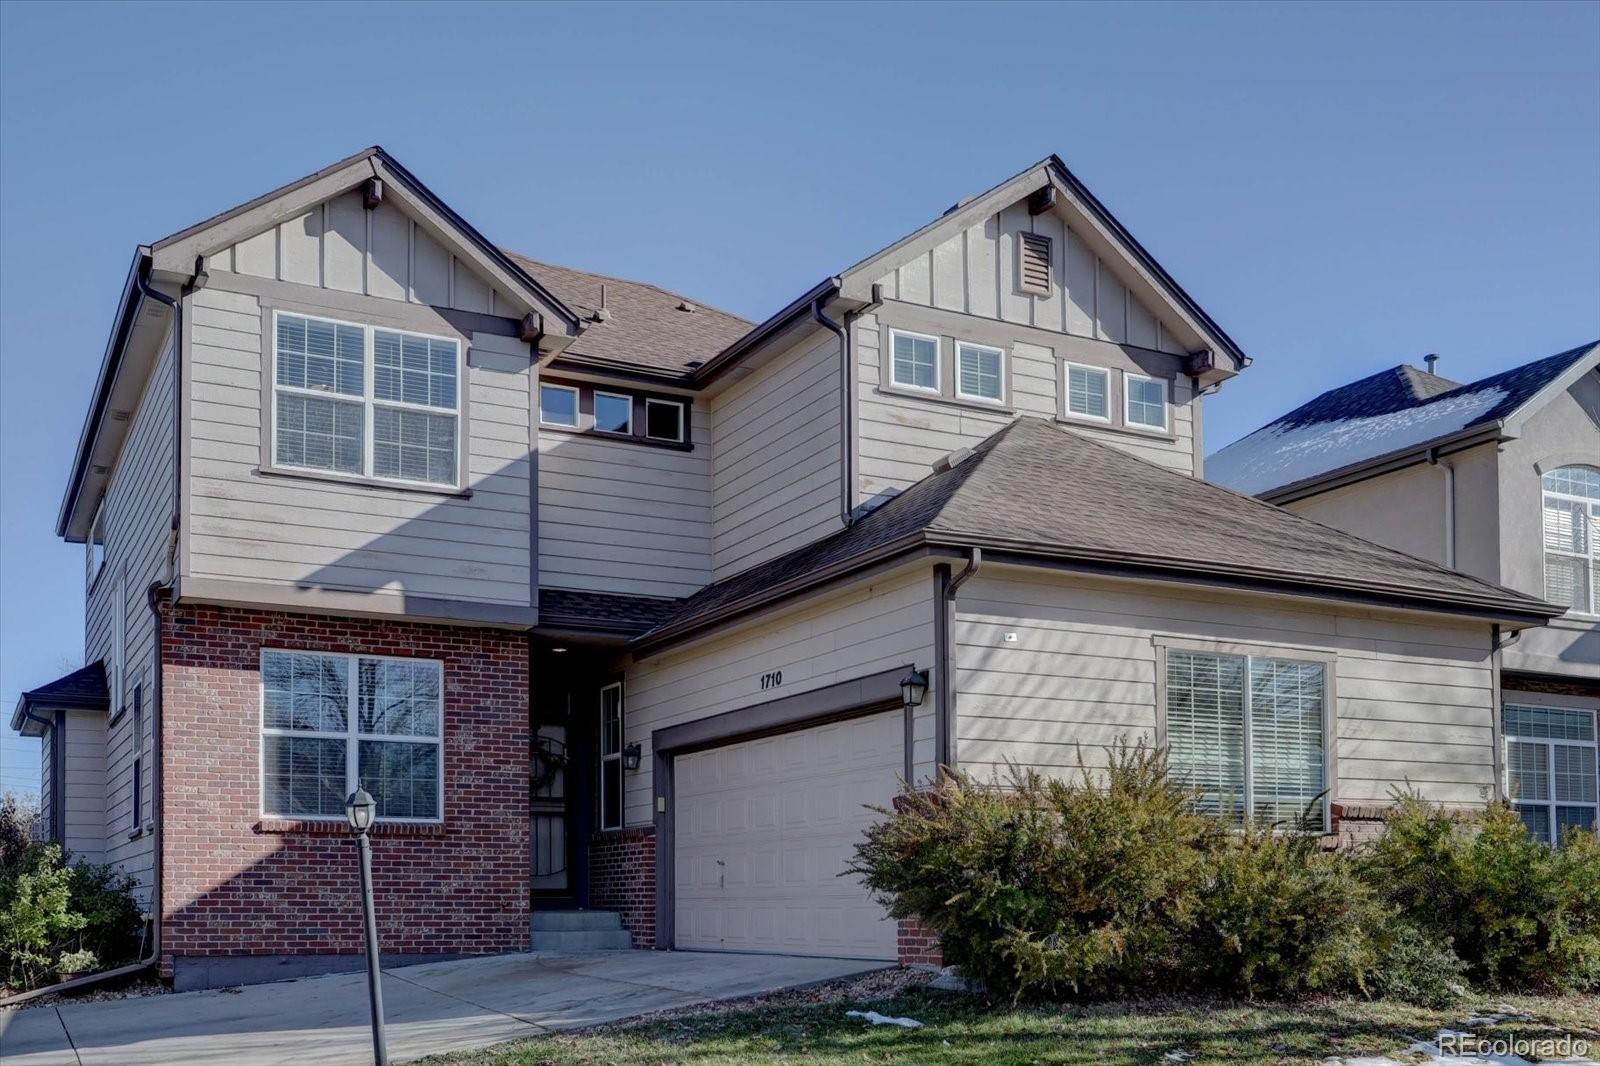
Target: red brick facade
[238, 884]
[622, 878]
[919, 945]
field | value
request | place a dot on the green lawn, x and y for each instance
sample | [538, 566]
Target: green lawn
[958, 1029]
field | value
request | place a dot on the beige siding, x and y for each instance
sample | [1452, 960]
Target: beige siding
[775, 463]
[627, 518]
[340, 245]
[83, 775]
[306, 533]
[870, 628]
[1415, 694]
[901, 435]
[138, 513]
[974, 272]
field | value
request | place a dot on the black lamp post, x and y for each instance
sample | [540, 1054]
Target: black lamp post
[360, 809]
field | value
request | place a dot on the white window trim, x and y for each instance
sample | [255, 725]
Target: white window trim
[998, 401]
[370, 403]
[1544, 546]
[681, 409]
[577, 413]
[627, 431]
[938, 361]
[352, 736]
[1549, 744]
[97, 534]
[616, 756]
[119, 641]
[1250, 653]
[1066, 392]
[1127, 404]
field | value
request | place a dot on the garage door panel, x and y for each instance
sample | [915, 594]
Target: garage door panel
[765, 829]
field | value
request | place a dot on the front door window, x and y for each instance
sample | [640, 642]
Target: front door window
[611, 756]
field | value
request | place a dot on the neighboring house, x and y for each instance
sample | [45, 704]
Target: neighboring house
[1499, 478]
[609, 596]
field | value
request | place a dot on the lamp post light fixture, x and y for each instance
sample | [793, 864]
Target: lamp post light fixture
[913, 687]
[359, 809]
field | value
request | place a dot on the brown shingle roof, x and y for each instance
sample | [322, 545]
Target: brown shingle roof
[647, 330]
[1038, 490]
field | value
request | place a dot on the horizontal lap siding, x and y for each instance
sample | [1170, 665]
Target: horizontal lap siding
[872, 628]
[243, 526]
[138, 518]
[626, 518]
[1415, 697]
[775, 466]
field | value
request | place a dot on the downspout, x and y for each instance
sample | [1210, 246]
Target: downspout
[153, 597]
[944, 730]
[847, 379]
[1449, 506]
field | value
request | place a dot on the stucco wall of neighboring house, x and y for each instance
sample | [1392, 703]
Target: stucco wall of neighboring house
[1414, 693]
[137, 516]
[876, 625]
[1406, 510]
[1564, 432]
[621, 517]
[237, 883]
[308, 541]
[775, 456]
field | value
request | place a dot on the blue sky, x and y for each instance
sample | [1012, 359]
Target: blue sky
[1343, 187]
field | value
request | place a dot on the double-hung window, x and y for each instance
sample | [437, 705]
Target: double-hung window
[330, 723]
[365, 401]
[914, 360]
[1249, 735]
[1571, 506]
[611, 756]
[1088, 392]
[980, 372]
[1551, 777]
[1146, 401]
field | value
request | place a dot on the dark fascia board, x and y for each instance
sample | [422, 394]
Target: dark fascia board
[1515, 609]
[800, 306]
[110, 363]
[28, 707]
[577, 363]
[1148, 261]
[1471, 437]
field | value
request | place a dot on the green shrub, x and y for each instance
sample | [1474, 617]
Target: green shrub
[1278, 915]
[1416, 968]
[1519, 914]
[56, 917]
[1042, 887]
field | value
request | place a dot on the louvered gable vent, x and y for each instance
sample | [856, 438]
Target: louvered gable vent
[1033, 269]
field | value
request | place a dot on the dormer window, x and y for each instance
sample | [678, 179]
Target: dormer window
[1571, 505]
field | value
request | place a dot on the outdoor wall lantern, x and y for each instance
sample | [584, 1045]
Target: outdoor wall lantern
[913, 687]
[630, 756]
[360, 809]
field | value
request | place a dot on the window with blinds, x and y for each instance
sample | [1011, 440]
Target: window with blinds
[1033, 264]
[1571, 505]
[1249, 735]
[1551, 774]
[358, 400]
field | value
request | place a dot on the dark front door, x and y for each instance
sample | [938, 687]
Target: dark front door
[559, 785]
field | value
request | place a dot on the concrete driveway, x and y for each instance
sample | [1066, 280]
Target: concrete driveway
[439, 1007]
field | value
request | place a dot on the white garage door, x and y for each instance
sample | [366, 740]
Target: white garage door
[763, 830]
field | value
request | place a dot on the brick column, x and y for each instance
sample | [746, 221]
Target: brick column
[622, 878]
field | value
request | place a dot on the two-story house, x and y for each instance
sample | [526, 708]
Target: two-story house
[1498, 478]
[625, 608]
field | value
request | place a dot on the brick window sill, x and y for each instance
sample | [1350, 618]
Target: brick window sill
[291, 826]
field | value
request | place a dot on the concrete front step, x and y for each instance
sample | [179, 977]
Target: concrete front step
[579, 931]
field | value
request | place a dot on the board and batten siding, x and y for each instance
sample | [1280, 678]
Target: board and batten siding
[871, 627]
[899, 436]
[137, 513]
[383, 253]
[775, 457]
[616, 516]
[1415, 697]
[975, 273]
[310, 533]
